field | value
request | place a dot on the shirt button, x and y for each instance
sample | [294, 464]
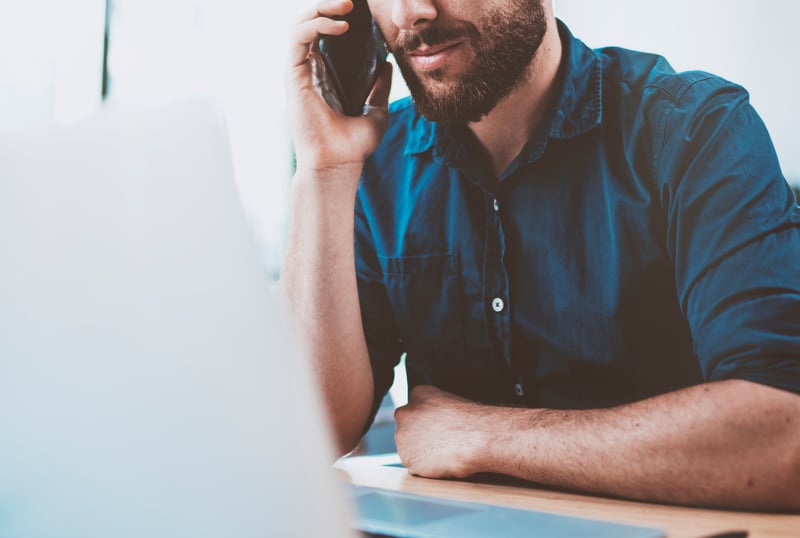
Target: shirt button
[495, 205]
[498, 304]
[518, 390]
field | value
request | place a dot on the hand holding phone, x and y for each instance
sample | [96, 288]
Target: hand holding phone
[325, 139]
[352, 61]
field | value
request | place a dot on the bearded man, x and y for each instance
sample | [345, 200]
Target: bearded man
[591, 262]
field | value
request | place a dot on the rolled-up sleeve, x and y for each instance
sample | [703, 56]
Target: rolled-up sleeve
[383, 343]
[733, 234]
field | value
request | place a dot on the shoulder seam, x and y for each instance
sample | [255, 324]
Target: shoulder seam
[682, 90]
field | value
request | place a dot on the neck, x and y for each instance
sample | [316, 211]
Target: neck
[508, 127]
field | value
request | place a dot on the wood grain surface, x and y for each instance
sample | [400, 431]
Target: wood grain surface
[675, 521]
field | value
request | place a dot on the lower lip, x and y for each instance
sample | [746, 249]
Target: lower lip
[427, 62]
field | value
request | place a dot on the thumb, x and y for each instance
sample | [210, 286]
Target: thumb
[379, 96]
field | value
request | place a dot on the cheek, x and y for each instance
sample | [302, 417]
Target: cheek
[389, 31]
[382, 13]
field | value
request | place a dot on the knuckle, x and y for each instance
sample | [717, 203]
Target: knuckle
[400, 412]
[404, 460]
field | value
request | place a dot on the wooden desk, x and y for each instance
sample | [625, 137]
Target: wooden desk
[676, 521]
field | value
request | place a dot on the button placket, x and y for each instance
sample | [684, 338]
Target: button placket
[496, 279]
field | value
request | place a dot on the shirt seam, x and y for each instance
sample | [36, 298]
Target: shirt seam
[723, 255]
[674, 100]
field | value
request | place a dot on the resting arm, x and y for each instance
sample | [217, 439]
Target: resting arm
[318, 275]
[733, 444]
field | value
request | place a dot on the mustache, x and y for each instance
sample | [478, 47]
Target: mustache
[409, 41]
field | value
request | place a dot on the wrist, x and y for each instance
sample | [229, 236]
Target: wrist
[322, 172]
[505, 437]
[335, 184]
[488, 432]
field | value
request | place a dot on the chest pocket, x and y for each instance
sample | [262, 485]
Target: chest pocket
[425, 298]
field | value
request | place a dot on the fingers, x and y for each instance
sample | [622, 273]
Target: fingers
[399, 415]
[377, 106]
[308, 32]
[318, 22]
[328, 8]
[420, 392]
[379, 96]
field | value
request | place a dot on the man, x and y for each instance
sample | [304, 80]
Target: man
[592, 262]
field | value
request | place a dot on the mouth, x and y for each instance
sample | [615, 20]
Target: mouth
[427, 58]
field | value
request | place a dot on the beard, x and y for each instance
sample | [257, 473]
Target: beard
[504, 46]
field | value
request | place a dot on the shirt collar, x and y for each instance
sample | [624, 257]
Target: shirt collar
[578, 111]
[421, 136]
[580, 108]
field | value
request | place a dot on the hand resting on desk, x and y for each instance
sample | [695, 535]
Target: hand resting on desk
[732, 444]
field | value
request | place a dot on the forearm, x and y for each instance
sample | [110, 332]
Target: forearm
[318, 275]
[734, 444]
[319, 280]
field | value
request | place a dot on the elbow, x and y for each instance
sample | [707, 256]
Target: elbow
[348, 429]
[791, 487]
[345, 446]
[783, 494]
[345, 443]
[794, 479]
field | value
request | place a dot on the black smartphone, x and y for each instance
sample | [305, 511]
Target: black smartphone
[353, 60]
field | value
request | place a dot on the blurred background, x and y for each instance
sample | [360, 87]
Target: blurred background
[61, 59]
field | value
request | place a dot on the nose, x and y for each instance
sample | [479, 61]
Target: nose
[409, 14]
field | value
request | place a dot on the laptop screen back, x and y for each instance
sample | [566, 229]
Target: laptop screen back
[147, 384]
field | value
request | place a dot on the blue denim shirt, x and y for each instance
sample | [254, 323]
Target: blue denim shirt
[643, 241]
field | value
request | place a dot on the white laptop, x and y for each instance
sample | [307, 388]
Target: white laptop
[148, 384]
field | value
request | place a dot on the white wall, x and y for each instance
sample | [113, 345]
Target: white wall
[162, 50]
[51, 57]
[755, 44]
[235, 50]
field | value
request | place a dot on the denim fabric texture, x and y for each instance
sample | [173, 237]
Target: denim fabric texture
[645, 240]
